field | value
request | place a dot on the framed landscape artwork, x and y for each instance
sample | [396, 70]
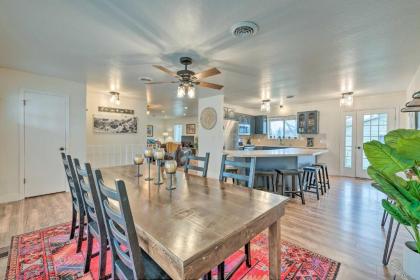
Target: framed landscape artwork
[114, 124]
[190, 128]
[149, 130]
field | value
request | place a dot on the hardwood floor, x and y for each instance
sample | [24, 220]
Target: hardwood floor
[343, 225]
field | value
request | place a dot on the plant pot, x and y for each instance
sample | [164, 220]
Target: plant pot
[411, 260]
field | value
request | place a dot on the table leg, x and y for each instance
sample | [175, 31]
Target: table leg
[274, 250]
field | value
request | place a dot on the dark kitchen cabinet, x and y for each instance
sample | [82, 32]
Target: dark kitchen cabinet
[261, 125]
[308, 122]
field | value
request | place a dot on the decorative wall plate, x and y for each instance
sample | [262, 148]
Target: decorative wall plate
[208, 118]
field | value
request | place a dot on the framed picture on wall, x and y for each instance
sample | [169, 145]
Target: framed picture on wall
[120, 124]
[190, 128]
[149, 130]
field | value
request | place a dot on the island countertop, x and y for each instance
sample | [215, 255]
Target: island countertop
[285, 152]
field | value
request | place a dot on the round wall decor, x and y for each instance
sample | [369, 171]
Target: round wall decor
[208, 118]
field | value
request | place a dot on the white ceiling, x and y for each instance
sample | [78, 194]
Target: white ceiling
[310, 49]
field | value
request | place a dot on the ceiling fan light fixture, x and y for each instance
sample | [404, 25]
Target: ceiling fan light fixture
[346, 99]
[191, 92]
[181, 91]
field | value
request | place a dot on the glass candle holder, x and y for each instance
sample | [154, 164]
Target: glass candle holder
[170, 169]
[159, 155]
[138, 160]
[148, 153]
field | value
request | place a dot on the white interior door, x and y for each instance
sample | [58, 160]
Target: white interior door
[371, 125]
[45, 130]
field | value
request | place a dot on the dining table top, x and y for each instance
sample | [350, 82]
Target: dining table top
[199, 223]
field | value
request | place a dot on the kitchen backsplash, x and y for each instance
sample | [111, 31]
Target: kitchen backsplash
[319, 141]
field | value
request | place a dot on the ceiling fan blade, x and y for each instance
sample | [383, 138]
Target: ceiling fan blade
[209, 85]
[207, 73]
[157, 83]
[166, 70]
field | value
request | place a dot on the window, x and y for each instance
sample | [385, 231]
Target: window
[282, 127]
[417, 120]
[374, 128]
[177, 132]
[348, 142]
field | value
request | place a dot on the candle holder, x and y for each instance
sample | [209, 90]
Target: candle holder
[170, 168]
[159, 156]
[138, 160]
[148, 153]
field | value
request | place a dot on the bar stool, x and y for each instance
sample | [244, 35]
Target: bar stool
[294, 189]
[311, 180]
[269, 179]
[324, 178]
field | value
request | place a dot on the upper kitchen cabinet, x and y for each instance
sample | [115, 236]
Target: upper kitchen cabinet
[308, 122]
[261, 125]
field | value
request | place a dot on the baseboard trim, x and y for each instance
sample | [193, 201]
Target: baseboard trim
[10, 197]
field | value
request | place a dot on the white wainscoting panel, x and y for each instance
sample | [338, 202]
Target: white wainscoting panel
[112, 155]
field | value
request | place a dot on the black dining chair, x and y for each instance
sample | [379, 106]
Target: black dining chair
[203, 169]
[78, 210]
[248, 178]
[95, 220]
[129, 261]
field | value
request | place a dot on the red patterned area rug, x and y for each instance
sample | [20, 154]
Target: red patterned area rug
[48, 254]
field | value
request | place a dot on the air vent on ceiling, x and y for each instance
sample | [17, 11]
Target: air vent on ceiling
[244, 29]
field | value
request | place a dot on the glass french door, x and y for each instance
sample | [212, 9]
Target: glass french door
[361, 127]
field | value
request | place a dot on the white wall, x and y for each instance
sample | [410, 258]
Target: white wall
[413, 87]
[114, 149]
[331, 120]
[212, 140]
[12, 83]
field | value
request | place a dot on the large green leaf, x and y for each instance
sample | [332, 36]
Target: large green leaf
[390, 188]
[406, 142]
[396, 213]
[384, 158]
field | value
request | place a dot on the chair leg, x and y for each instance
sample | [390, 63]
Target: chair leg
[73, 223]
[221, 271]
[81, 231]
[327, 177]
[102, 257]
[208, 275]
[248, 254]
[317, 187]
[88, 252]
[389, 245]
[384, 218]
[301, 189]
[324, 181]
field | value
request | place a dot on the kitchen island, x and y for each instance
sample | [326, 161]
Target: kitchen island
[283, 158]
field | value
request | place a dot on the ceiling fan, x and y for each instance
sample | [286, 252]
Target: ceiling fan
[187, 79]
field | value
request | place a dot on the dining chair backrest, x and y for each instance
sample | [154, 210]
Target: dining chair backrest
[90, 196]
[126, 253]
[72, 182]
[248, 166]
[203, 169]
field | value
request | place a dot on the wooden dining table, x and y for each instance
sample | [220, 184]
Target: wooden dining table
[193, 228]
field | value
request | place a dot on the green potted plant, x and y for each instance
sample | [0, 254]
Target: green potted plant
[395, 166]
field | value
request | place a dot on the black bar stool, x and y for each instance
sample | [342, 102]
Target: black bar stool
[324, 178]
[311, 180]
[294, 189]
[269, 179]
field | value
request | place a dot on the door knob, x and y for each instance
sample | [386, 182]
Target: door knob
[62, 149]
[358, 147]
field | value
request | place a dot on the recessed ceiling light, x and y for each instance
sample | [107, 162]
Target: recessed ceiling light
[145, 79]
[185, 107]
[185, 114]
[163, 111]
[290, 96]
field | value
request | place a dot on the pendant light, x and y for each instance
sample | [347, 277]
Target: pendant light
[346, 99]
[265, 106]
[413, 105]
[115, 97]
